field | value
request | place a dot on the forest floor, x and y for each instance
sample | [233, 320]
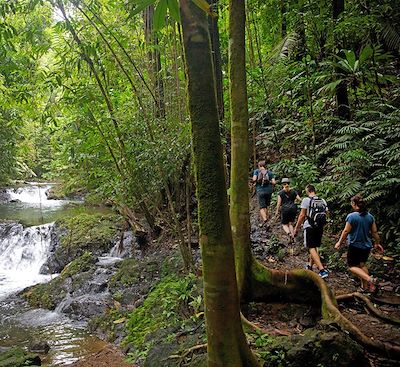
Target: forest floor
[287, 319]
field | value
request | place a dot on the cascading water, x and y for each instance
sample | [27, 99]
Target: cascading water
[33, 194]
[22, 252]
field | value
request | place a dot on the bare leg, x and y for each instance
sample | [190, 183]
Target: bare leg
[314, 258]
[286, 229]
[264, 214]
[362, 273]
[291, 229]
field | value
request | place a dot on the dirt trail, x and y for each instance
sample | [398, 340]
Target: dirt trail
[284, 319]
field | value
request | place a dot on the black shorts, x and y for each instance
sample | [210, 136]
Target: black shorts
[264, 199]
[356, 256]
[313, 237]
[288, 215]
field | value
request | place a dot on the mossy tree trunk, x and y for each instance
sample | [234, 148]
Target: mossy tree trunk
[227, 345]
[239, 205]
[342, 98]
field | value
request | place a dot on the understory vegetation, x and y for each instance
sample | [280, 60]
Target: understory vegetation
[106, 97]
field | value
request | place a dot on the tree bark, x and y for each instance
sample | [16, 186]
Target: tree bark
[227, 345]
[216, 53]
[239, 205]
[342, 98]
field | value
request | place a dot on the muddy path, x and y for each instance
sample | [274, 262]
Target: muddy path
[273, 248]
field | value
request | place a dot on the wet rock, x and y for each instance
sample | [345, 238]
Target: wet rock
[85, 307]
[17, 357]
[71, 237]
[39, 346]
[4, 196]
[316, 348]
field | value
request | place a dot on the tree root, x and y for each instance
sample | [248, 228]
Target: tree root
[388, 300]
[267, 282]
[370, 307]
[186, 352]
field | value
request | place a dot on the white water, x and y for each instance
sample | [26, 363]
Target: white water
[33, 194]
[22, 252]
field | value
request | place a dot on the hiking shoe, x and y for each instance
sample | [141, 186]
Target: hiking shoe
[373, 285]
[263, 224]
[308, 267]
[323, 273]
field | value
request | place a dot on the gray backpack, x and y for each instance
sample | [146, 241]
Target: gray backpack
[263, 177]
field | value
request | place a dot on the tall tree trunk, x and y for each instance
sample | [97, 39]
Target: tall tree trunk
[216, 53]
[227, 345]
[342, 98]
[283, 17]
[154, 60]
[239, 206]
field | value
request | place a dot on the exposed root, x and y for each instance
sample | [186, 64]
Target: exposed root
[180, 358]
[388, 300]
[266, 282]
[370, 306]
[248, 326]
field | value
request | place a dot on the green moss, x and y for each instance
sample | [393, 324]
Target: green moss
[79, 265]
[87, 232]
[48, 295]
[45, 295]
[127, 273]
[17, 357]
[167, 306]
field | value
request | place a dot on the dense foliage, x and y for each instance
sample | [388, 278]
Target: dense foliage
[92, 93]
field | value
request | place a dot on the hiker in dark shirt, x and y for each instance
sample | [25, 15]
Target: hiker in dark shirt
[286, 203]
[360, 227]
[264, 181]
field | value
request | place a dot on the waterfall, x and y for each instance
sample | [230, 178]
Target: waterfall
[33, 193]
[22, 252]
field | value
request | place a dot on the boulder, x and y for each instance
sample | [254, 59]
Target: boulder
[39, 346]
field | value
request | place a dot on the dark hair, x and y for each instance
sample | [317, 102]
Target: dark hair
[310, 188]
[261, 164]
[362, 207]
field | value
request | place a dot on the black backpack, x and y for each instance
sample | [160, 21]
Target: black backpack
[317, 212]
[263, 177]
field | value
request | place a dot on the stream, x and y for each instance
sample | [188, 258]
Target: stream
[24, 245]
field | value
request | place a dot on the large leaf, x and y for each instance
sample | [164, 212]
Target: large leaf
[173, 8]
[366, 53]
[140, 5]
[159, 14]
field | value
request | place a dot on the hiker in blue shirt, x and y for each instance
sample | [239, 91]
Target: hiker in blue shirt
[360, 226]
[265, 181]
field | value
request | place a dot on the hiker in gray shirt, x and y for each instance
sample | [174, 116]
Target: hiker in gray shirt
[313, 214]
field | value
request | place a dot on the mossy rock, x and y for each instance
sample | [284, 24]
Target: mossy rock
[85, 232]
[313, 348]
[79, 265]
[127, 273]
[17, 357]
[50, 294]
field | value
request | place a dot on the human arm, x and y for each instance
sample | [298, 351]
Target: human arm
[300, 220]
[255, 173]
[375, 236]
[298, 198]
[343, 236]
[278, 205]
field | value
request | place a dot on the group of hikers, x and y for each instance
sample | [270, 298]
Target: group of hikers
[359, 228]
